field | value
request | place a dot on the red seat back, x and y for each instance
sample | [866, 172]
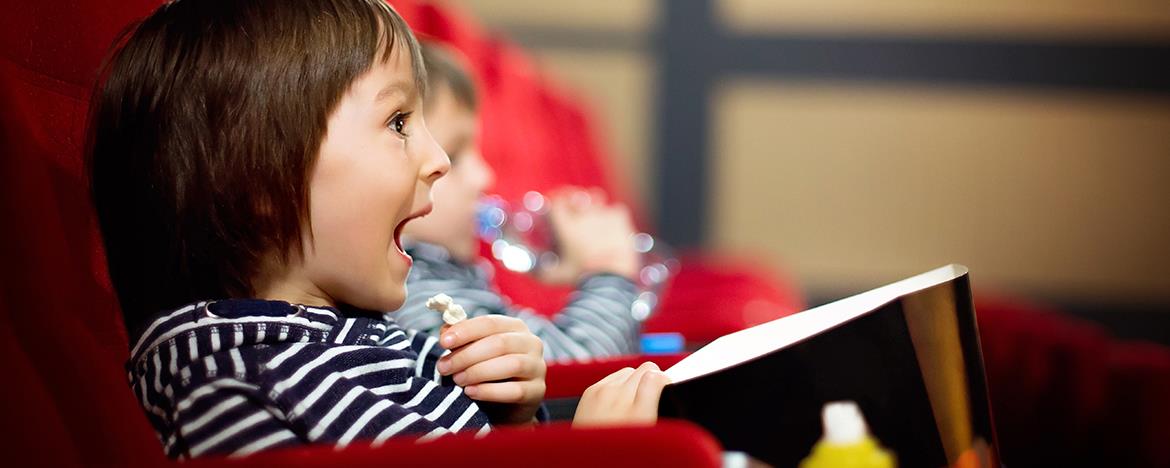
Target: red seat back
[67, 342]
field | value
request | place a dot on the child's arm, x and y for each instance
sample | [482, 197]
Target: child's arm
[225, 417]
[597, 321]
[593, 236]
[499, 362]
[429, 352]
[351, 395]
[597, 249]
[596, 239]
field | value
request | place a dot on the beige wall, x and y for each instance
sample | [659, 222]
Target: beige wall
[988, 18]
[1059, 194]
[847, 185]
[598, 15]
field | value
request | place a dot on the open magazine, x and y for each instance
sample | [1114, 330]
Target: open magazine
[908, 353]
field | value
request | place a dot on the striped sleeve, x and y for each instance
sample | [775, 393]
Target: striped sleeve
[429, 352]
[320, 393]
[597, 321]
[342, 394]
[226, 417]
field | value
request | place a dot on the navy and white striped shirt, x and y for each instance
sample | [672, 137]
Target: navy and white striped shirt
[239, 376]
[596, 322]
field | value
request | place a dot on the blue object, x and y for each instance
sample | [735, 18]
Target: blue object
[662, 343]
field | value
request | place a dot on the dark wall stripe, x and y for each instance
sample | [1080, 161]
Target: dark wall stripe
[1106, 66]
[684, 46]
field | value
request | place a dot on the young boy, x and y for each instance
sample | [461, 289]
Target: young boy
[596, 322]
[253, 163]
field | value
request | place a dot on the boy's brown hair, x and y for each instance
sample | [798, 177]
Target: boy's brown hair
[443, 69]
[205, 130]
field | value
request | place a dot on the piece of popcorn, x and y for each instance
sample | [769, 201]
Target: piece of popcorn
[440, 302]
[454, 314]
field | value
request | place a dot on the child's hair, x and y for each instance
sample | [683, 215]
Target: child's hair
[444, 70]
[205, 130]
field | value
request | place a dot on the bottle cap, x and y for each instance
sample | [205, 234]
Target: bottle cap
[843, 422]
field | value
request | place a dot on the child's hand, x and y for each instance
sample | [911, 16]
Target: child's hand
[496, 360]
[593, 237]
[626, 397]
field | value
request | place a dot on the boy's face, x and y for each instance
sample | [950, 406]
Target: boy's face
[374, 172]
[452, 224]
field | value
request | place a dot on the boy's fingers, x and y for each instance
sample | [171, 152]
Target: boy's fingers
[621, 214]
[632, 379]
[476, 328]
[618, 389]
[629, 387]
[581, 200]
[597, 196]
[619, 376]
[490, 347]
[566, 191]
[511, 366]
[609, 380]
[564, 198]
[507, 392]
[650, 392]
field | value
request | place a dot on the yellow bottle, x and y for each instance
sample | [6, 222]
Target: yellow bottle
[846, 442]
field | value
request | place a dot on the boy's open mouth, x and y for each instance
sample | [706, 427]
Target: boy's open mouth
[398, 229]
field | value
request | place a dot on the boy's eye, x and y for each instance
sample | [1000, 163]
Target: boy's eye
[397, 123]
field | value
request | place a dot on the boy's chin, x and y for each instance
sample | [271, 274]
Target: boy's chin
[386, 304]
[385, 299]
[393, 300]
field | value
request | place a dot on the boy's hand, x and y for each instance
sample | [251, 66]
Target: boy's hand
[593, 237]
[496, 360]
[626, 397]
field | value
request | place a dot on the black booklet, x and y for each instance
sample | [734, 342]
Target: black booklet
[908, 353]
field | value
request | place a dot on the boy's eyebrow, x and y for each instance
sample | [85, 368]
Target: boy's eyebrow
[403, 87]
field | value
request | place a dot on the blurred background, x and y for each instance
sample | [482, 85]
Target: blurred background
[853, 143]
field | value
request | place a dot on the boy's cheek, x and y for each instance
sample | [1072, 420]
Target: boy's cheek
[354, 260]
[364, 291]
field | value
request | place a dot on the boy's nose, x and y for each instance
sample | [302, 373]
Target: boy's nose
[436, 164]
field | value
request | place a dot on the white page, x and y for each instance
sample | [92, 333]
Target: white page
[762, 339]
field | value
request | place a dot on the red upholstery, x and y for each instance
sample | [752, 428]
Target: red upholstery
[63, 321]
[667, 444]
[571, 380]
[713, 296]
[1066, 394]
